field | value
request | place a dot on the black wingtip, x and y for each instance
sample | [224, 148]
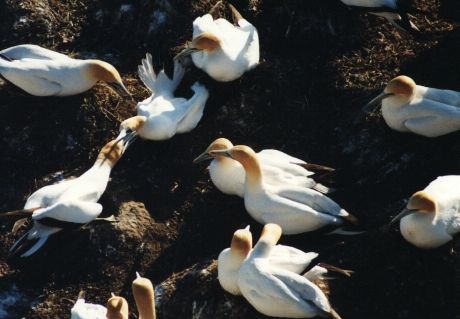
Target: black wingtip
[4, 57]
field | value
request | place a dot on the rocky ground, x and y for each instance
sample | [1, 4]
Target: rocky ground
[320, 63]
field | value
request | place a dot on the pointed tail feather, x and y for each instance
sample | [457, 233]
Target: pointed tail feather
[345, 272]
[323, 189]
[342, 231]
[158, 82]
[334, 314]
[316, 167]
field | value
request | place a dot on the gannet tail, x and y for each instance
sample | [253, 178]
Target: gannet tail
[161, 82]
[323, 189]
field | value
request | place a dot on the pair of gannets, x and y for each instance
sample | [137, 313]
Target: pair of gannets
[162, 115]
[271, 289]
[285, 257]
[395, 11]
[432, 217]
[277, 168]
[407, 107]
[43, 72]
[68, 204]
[296, 209]
[117, 307]
[224, 51]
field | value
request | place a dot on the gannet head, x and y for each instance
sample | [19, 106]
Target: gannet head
[401, 86]
[241, 243]
[217, 145]
[112, 151]
[143, 293]
[271, 233]
[132, 125]
[243, 154]
[103, 71]
[117, 308]
[419, 202]
[205, 41]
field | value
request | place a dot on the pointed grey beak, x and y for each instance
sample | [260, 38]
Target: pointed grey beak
[202, 157]
[186, 52]
[127, 137]
[375, 102]
[401, 215]
[225, 153]
[121, 90]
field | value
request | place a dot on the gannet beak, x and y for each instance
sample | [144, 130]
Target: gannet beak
[185, 52]
[375, 102]
[81, 295]
[202, 157]
[401, 215]
[127, 137]
[225, 153]
[248, 227]
[121, 90]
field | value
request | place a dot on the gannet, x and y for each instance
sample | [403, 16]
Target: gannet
[83, 310]
[224, 51]
[277, 168]
[407, 107]
[162, 115]
[277, 292]
[143, 293]
[285, 257]
[117, 308]
[395, 11]
[43, 72]
[68, 204]
[431, 217]
[295, 209]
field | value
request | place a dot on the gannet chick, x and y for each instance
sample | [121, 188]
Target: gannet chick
[407, 107]
[295, 209]
[68, 204]
[285, 257]
[43, 72]
[395, 11]
[278, 292]
[431, 217]
[224, 51]
[83, 310]
[144, 296]
[117, 308]
[277, 167]
[162, 115]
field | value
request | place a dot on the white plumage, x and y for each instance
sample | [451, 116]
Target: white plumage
[43, 72]
[83, 310]
[162, 115]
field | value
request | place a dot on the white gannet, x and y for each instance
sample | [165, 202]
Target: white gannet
[43, 72]
[407, 107]
[395, 11]
[285, 257]
[431, 217]
[83, 310]
[162, 115]
[295, 209]
[224, 51]
[277, 167]
[277, 292]
[143, 293]
[68, 204]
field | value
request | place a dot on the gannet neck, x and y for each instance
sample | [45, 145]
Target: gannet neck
[271, 234]
[117, 308]
[248, 158]
[207, 42]
[402, 86]
[241, 244]
[144, 296]
[110, 153]
[102, 71]
[422, 202]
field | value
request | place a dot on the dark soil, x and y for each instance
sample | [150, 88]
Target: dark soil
[320, 63]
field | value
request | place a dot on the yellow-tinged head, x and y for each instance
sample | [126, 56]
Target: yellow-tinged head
[144, 296]
[112, 152]
[422, 202]
[401, 85]
[241, 242]
[133, 124]
[206, 41]
[219, 144]
[103, 71]
[271, 233]
[117, 308]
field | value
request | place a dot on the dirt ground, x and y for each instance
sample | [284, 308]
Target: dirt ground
[320, 64]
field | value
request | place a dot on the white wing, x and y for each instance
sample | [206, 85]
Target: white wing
[46, 196]
[31, 51]
[70, 211]
[290, 258]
